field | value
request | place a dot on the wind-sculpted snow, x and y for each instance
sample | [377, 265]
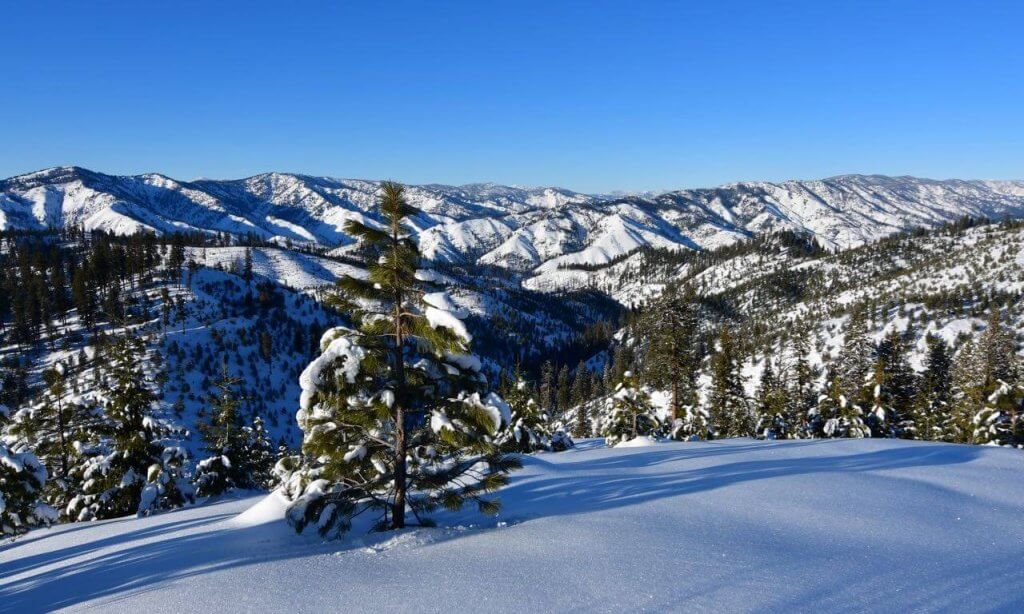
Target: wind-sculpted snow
[726, 526]
[540, 233]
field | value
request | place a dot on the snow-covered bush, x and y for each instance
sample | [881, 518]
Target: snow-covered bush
[630, 415]
[22, 477]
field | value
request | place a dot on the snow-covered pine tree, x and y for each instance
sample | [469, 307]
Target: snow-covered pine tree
[260, 454]
[856, 359]
[932, 402]
[969, 393]
[729, 408]
[803, 394]
[529, 429]
[773, 418]
[835, 416]
[56, 429]
[631, 414]
[395, 410]
[227, 442]
[671, 359]
[134, 469]
[999, 422]
[22, 478]
[893, 384]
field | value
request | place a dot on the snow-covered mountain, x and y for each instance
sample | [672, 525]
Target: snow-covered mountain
[544, 234]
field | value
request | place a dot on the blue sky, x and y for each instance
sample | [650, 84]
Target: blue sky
[593, 95]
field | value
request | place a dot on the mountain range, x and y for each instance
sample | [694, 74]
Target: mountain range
[536, 232]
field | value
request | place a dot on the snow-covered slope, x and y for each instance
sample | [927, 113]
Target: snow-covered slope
[546, 233]
[724, 526]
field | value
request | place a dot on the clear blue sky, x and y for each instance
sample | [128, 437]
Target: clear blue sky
[589, 95]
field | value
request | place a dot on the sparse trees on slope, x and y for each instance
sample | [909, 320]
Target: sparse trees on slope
[395, 411]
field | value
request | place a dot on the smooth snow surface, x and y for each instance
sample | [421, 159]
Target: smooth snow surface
[736, 525]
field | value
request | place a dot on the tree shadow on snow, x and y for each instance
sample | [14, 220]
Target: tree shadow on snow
[597, 484]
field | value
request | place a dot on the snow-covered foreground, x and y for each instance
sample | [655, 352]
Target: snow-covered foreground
[733, 525]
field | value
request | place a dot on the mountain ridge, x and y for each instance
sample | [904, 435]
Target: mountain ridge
[533, 232]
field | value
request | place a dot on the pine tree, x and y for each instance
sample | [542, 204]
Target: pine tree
[893, 387]
[835, 416]
[260, 454]
[934, 395]
[631, 414]
[773, 418]
[22, 478]
[547, 386]
[969, 393]
[529, 428]
[247, 267]
[728, 403]
[56, 429]
[580, 390]
[803, 393]
[563, 393]
[671, 361]
[395, 411]
[856, 360]
[999, 421]
[132, 471]
[227, 443]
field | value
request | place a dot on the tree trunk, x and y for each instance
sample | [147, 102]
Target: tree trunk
[398, 511]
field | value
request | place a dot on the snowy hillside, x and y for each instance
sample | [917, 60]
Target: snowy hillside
[544, 233]
[734, 525]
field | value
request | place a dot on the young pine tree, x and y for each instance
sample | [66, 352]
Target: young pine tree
[57, 430]
[529, 429]
[836, 417]
[133, 470]
[773, 418]
[728, 402]
[932, 402]
[631, 414]
[395, 411]
[22, 478]
[227, 442]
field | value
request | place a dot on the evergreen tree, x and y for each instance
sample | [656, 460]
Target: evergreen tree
[856, 360]
[260, 454]
[529, 428]
[369, 444]
[132, 471]
[547, 386]
[934, 395]
[631, 414]
[227, 442]
[728, 403]
[56, 429]
[773, 418]
[999, 421]
[803, 393]
[835, 416]
[580, 390]
[22, 478]
[563, 393]
[672, 361]
[894, 386]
